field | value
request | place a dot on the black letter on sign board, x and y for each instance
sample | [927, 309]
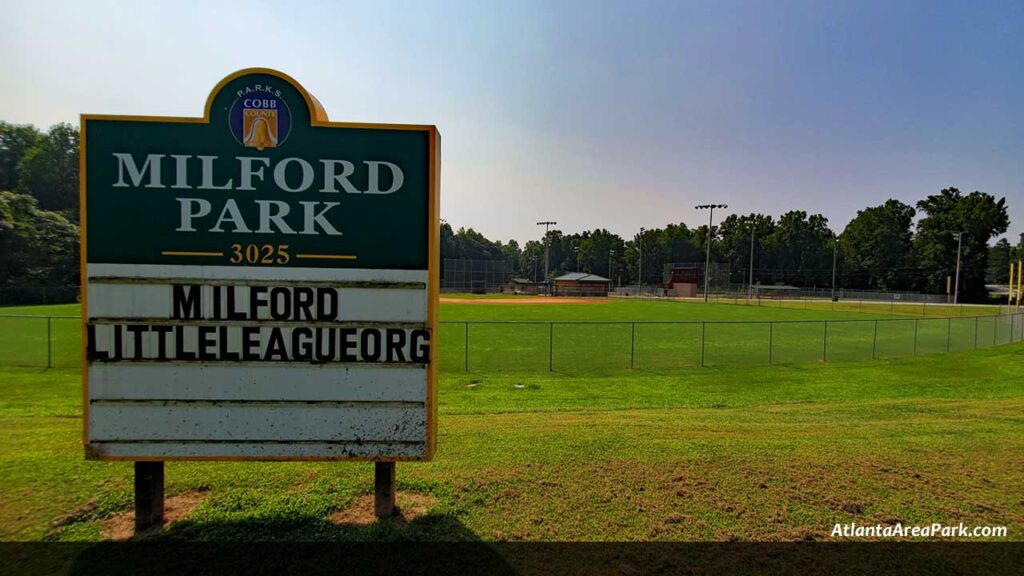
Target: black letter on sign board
[187, 305]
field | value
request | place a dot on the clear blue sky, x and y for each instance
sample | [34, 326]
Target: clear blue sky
[594, 114]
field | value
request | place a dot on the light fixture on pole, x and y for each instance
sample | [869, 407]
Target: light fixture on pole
[547, 243]
[707, 259]
[956, 282]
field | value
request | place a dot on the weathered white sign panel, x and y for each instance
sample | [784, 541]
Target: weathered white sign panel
[259, 283]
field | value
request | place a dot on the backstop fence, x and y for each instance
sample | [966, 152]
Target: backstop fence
[770, 292]
[55, 341]
[475, 276]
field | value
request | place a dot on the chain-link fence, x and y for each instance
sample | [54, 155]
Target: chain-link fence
[609, 346]
[790, 292]
[41, 341]
[475, 276]
[55, 342]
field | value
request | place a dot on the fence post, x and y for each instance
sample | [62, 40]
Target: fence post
[824, 344]
[702, 344]
[874, 340]
[49, 342]
[551, 346]
[771, 330]
[917, 322]
[995, 324]
[976, 332]
[949, 329]
[466, 357]
[632, 346]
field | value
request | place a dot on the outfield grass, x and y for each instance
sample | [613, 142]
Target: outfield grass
[621, 334]
[777, 453]
[616, 335]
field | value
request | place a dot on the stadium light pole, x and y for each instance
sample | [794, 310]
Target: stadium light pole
[547, 243]
[577, 249]
[956, 282]
[610, 254]
[707, 259]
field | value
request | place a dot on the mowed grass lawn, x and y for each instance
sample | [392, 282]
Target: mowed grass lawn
[595, 451]
[761, 453]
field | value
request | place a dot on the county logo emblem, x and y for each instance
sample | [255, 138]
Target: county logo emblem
[260, 118]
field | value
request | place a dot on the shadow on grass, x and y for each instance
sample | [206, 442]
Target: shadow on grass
[298, 546]
[164, 556]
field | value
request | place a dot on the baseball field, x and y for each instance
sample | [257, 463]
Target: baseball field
[546, 433]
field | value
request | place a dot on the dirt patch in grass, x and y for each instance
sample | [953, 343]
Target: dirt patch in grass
[122, 526]
[408, 507]
[536, 300]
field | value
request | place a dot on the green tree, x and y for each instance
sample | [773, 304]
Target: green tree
[49, 171]
[733, 244]
[470, 244]
[448, 247]
[877, 246]
[557, 247]
[999, 258]
[980, 217]
[531, 260]
[800, 249]
[15, 141]
[652, 245]
[512, 253]
[598, 249]
[1018, 251]
[36, 246]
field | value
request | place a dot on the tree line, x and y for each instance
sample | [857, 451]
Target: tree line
[38, 206]
[881, 248]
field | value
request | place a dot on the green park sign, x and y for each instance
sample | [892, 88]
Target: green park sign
[262, 179]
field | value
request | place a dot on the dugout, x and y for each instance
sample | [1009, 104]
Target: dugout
[580, 284]
[522, 286]
[682, 282]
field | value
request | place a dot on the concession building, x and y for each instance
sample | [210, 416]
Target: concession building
[580, 284]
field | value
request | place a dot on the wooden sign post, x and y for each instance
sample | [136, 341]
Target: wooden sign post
[258, 283]
[149, 495]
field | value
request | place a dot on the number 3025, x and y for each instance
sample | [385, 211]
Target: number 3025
[259, 254]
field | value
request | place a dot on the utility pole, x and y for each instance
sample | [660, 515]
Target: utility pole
[956, 283]
[835, 254]
[640, 265]
[547, 242]
[707, 259]
[750, 289]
